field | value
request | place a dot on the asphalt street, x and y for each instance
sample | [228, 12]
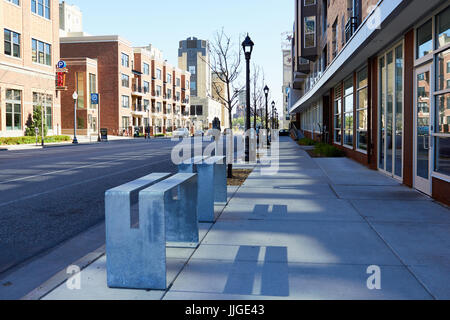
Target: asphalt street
[50, 195]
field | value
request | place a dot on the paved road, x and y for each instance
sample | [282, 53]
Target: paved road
[51, 195]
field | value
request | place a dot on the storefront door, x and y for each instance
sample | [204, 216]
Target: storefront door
[423, 129]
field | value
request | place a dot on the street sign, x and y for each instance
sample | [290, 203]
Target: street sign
[61, 64]
[94, 98]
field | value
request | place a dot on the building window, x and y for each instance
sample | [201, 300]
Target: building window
[41, 7]
[146, 68]
[338, 114]
[362, 104]
[348, 112]
[13, 109]
[125, 102]
[158, 74]
[169, 93]
[146, 87]
[41, 52]
[146, 105]
[193, 85]
[125, 60]
[125, 81]
[169, 78]
[45, 101]
[424, 39]
[178, 82]
[192, 70]
[125, 123]
[16, 2]
[310, 2]
[158, 107]
[92, 88]
[158, 91]
[12, 43]
[443, 28]
[443, 70]
[391, 65]
[310, 32]
[80, 90]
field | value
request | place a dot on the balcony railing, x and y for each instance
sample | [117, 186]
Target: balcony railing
[137, 88]
[138, 107]
[350, 27]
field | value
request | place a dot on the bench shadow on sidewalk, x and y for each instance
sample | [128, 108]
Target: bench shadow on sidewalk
[274, 275]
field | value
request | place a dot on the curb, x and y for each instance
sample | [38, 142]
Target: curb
[62, 276]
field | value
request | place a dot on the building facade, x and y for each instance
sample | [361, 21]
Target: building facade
[193, 56]
[29, 52]
[372, 78]
[137, 87]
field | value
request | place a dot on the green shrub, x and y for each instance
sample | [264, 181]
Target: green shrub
[328, 151]
[307, 142]
[32, 140]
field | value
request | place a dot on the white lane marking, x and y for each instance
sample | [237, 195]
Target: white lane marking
[79, 183]
[125, 157]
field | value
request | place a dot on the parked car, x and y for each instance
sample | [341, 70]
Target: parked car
[284, 133]
[181, 133]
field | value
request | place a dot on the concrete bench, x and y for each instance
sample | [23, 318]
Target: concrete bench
[126, 245]
[136, 258]
[212, 184]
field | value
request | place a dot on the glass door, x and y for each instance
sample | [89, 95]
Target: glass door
[422, 130]
[390, 153]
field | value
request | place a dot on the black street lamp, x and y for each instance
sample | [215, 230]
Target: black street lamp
[247, 46]
[266, 93]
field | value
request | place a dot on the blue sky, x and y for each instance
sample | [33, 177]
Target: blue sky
[164, 23]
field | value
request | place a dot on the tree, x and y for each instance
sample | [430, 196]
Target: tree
[257, 91]
[225, 63]
[35, 122]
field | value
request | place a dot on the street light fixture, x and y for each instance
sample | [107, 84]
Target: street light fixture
[273, 115]
[266, 93]
[247, 46]
[75, 99]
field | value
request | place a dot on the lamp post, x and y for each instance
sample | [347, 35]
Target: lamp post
[273, 115]
[266, 93]
[247, 46]
[75, 99]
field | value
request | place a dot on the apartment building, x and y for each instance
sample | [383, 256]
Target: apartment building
[160, 93]
[137, 87]
[373, 78]
[193, 56]
[29, 52]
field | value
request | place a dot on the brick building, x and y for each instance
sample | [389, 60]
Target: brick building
[137, 87]
[29, 52]
[373, 78]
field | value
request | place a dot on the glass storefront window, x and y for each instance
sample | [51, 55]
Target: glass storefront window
[443, 113]
[424, 39]
[362, 104]
[348, 112]
[442, 155]
[443, 28]
[443, 70]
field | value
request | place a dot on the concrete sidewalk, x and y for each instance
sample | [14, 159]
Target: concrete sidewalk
[309, 232]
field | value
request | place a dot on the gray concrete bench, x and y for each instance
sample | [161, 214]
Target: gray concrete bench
[136, 257]
[212, 184]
